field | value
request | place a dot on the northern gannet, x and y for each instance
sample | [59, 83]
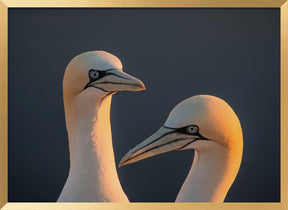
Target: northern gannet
[208, 125]
[89, 82]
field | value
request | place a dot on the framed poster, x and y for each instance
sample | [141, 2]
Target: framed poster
[233, 50]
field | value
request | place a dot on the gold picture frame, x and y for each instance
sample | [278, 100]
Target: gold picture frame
[5, 4]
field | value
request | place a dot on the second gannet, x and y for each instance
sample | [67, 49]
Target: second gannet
[208, 125]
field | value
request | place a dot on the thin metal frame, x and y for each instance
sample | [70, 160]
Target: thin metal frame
[5, 4]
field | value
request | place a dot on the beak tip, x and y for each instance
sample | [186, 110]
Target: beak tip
[121, 163]
[124, 160]
[141, 86]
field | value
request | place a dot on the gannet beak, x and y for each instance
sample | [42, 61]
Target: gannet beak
[164, 140]
[116, 80]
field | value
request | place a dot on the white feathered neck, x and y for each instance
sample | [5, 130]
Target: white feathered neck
[92, 176]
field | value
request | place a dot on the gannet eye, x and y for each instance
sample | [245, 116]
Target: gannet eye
[192, 129]
[94, 74]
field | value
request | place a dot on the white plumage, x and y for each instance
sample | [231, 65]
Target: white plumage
[208, 125]
[89, 82]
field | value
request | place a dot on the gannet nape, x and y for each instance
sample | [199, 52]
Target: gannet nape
[89, 82]
[208, 125]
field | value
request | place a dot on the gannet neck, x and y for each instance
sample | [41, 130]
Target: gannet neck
[212, 173]
[208, 125]
[92, 176]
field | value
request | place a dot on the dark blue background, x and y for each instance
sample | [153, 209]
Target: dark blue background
[177, 53]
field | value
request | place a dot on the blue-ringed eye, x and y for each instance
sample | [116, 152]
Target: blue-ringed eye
[192, 129]
[94, 74]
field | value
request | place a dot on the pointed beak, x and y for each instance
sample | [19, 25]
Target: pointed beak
[164, 140]
[116, 80]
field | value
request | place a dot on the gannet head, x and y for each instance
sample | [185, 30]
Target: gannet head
[97, 70]
[199, 123]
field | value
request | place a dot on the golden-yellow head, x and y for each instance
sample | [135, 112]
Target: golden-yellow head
[199, 122]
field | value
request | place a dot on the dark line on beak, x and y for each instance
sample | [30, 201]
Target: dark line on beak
[111, 70]
[169, 127]
[170, 142]
[188, 143]
[154, 141]
[117, 76]
[99, 88]
[117, 83]
[156, 148]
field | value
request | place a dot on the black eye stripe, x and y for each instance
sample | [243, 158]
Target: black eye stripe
[184, 129]
[101, 73]
[90, 74]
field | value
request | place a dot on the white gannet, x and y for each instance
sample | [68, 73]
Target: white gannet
[208, 125]
[89, 82]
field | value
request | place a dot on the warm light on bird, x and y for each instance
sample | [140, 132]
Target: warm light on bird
[89, 82]
[208, 125]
